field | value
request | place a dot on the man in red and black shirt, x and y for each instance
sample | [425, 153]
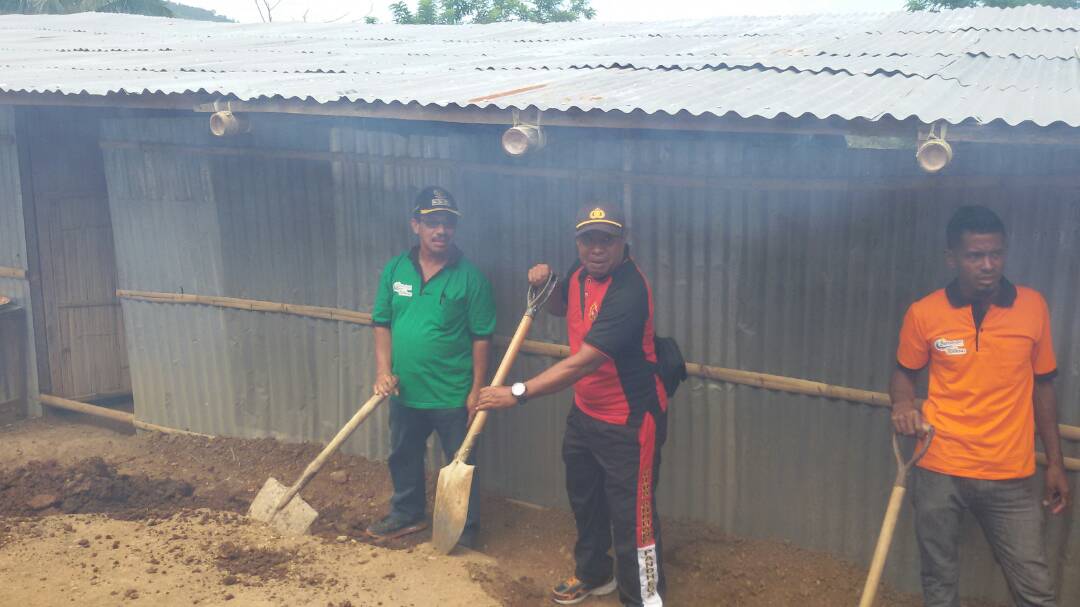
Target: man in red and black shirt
[618, 422]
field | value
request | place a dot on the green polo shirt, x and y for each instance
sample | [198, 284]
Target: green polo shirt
[432, 327]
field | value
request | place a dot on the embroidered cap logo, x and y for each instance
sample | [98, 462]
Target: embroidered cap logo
[597, 213]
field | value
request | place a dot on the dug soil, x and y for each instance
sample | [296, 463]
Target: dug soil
[93, 516]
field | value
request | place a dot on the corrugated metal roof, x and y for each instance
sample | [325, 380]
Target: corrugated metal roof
[1014, 65]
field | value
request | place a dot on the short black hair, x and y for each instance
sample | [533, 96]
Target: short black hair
[975, 219]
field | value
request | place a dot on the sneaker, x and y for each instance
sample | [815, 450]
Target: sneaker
[390, 527]
[573, 590]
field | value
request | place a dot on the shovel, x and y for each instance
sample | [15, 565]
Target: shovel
[280, 506]
[896, 500]
[455, 479]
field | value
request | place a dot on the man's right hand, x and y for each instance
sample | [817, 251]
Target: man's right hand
[539, 274]
[386, 383]
[907, 419]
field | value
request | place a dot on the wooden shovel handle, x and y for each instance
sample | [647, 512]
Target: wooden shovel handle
[329, 450]
[877, 565]
[500, 376]
[903, 467]
[892, 513]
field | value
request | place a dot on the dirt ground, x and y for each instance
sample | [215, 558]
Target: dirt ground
[91, 515]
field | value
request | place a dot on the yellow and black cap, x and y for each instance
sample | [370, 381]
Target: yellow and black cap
[602, 217]
[434, 199]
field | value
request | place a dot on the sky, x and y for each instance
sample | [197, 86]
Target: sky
[606, 10]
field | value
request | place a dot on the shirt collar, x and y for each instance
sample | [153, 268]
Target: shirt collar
[452, 260]
[1005, 297]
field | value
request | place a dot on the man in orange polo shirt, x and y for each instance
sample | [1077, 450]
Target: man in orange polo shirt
[987, 343]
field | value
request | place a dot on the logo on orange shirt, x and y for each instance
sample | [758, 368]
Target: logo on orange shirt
[952, 347]
[594, 311]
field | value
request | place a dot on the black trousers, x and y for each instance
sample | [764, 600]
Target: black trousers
[611, 477]
[409, 431]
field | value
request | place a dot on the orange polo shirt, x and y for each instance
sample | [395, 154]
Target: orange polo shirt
[982, 377]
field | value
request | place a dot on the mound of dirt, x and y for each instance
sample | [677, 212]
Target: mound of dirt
[520, 592]
[263, 563]
[89, 486]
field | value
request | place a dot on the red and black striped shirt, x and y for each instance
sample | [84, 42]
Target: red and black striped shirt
[615, 315]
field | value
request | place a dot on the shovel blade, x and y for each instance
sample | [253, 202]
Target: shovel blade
[295, 518]
[451, 505]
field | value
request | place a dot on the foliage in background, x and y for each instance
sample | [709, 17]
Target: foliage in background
[936, 5]
[455, 12]
[153, 8]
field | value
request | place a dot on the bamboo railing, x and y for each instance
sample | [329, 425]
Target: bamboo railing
[110, 414]
[9, 272]
[755, 379]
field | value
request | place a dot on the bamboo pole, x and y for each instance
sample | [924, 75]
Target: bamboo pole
[767, 381]
[1071, 463]
[87, 408]
[141, 425]
[251, 305]
[111, 414]
[9, 272]
[755, 379]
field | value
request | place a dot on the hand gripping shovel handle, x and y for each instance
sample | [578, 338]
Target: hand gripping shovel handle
[329, 450]
[537, 298]
[892, 513]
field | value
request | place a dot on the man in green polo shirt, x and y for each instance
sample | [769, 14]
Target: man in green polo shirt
[434, 316]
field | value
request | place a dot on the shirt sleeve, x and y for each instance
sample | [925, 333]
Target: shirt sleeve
[481, 307]
[383, 313]
[620, 323]
[913, 352]
[1042, 355]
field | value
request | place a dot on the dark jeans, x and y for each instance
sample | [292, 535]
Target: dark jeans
[611, 476]
[1011, 519]
[409, 431]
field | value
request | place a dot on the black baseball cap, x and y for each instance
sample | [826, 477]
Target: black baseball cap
[602, 217]
[433, 199]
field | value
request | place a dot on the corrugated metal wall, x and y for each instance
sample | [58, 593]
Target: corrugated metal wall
[785, 254]
[13, 252]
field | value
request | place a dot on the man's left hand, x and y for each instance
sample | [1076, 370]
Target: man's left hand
[1057, 489]
[496, 397]
[471, 402]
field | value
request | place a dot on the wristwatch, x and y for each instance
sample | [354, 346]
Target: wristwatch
[519, 390]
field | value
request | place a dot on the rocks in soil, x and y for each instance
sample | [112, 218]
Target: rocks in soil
[42, 501]
[262, 563]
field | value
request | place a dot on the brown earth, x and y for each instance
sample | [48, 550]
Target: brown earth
[94, 516]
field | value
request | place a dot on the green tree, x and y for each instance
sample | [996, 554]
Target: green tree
[454, 12]
[936, 5]
[154, 8]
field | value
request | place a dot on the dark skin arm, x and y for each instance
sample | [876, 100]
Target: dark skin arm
[385, 380]
[559, 376]
[906, 416]
[1057, 483]
[481, 355]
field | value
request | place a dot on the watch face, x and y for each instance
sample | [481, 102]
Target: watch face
[517, 389]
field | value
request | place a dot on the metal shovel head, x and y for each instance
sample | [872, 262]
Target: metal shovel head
[295, 518]
[451, 505]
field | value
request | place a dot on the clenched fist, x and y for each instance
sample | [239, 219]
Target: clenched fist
[539, 275]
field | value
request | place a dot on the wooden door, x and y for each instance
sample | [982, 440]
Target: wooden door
[76, 264]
